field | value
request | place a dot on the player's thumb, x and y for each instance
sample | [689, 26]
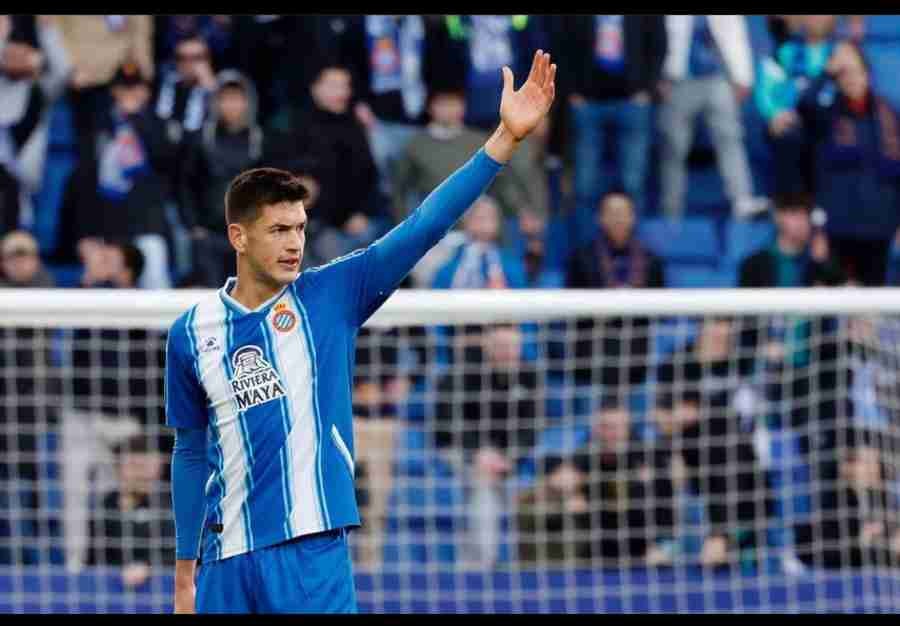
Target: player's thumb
[507, 79]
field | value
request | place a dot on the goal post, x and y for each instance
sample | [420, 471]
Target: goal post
[515, 450]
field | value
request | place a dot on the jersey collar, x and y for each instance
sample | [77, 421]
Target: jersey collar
[237, 307]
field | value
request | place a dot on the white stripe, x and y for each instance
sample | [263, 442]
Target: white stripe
[210, 322]
[292, 354]
[343, 449]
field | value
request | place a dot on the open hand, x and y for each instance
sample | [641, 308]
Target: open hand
[521, 111]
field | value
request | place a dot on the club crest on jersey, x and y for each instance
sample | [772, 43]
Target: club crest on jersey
[283, 319]
[254, 381]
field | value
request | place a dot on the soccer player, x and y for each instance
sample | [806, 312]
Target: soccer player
[258, 386]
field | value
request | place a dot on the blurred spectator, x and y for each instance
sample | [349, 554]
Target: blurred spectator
[380, 389]
[30, 389]
[709, 71]
[541, 269]
[715, 436]
[133, 528]
[183, 94]
[614, 260]
[445, 144]
[780, 84]
[387, 54]
[121, 192]
[216, 31]
[610, 503]
[799, 256]
[479, 262]
[783, 28]
[487, 413]
[611, 65]
[857, 135]
[472, 49]
[230, 142]
[34, 68]
[855, 525]
[329, 133]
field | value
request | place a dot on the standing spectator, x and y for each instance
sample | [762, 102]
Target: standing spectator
[613, 496]
[445, 144]
[709, 71]
[121, 190]
[487, 414]
[183, 94]
[479, 262]
[230, 142]
[34, 68]
[781, 83]
[857, 135]
[614, 260]
[133, 528]
[216, 31]
[348, 203]
[472, 49]
[387, 54]
[715, 439]
[610, 66]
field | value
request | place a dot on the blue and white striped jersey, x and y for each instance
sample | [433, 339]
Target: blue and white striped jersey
[272, 386]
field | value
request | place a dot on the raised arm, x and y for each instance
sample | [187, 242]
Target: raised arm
[393, 256]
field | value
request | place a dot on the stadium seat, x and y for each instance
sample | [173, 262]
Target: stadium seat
[743, 238]
[689, 240]
[692, 276]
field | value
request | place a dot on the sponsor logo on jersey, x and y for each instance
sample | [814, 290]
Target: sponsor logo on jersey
[210, 344]
[283, 319]
[254, 380]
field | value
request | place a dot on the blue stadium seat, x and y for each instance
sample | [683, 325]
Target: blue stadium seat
[693, 276]
[689, 240]
[743, 238]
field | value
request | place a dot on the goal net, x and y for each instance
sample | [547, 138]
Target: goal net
[515, 451]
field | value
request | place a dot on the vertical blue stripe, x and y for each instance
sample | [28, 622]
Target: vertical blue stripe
[219, 457]
[241, 416]
[286, 424]
[323, 503]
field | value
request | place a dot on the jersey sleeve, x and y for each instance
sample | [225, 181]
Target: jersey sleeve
[185, 398]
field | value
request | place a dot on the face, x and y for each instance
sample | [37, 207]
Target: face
[131, 98]
[272, 245]
[611, 428]
[232, 106]
[333, 90]
[190, 57]
[617, 218]
[20, 264]
[447, 109]
[793, 224]
[716, 333]
[138, 471]
[504, 346]
[819, 26]
[863, 467]
[482, 222]
[19, 61]
[852, 79]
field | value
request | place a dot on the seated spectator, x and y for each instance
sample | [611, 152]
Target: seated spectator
[714, 436]
[855, 524]
[348, 203]
[540, 271]
[445, 144]
[230, 142]
[183, 94]
[799, 256]
[20, 262]
[133, 528]
[120, 192]
[387, 54]
[781, 82]
[708, 71]
[614, 260]
[34, 68]
[610, 66]
[610, 503]
[857, 135]
[479, 262]
[487, 413]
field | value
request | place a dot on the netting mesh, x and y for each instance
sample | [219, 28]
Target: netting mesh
[642, 463]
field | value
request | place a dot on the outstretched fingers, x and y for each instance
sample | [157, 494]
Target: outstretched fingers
[535, 65]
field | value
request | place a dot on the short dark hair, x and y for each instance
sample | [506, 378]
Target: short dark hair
[133, 258]
[254, 189]
[793, 199]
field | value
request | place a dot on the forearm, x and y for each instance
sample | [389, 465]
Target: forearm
[188, 478]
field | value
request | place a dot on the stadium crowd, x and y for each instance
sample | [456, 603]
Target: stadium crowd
[683, 151]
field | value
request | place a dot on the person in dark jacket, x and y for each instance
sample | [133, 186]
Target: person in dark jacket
[614, 260]
[229, 142]
[609, 66]
[183, 94]
[348, 205]
[857, 135]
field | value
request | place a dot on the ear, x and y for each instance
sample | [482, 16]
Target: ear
[237, 235]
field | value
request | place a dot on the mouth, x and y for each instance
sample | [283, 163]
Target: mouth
[291, 264]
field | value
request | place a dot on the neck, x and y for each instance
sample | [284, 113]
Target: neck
[788, 247]
[252, 293]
